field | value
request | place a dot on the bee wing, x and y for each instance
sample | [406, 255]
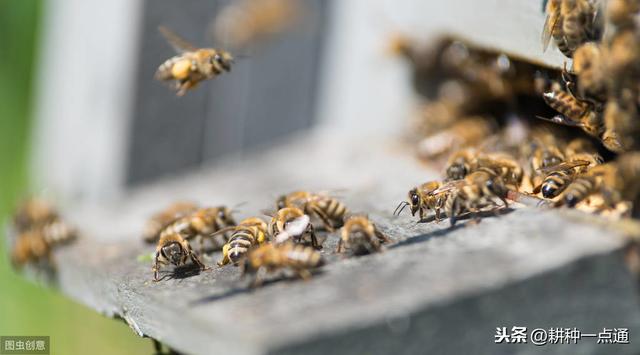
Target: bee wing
[563, 120]
[268, 212]
[178, 43]
[452, 185]
[549, 24]
[294, 227]
[567, 165]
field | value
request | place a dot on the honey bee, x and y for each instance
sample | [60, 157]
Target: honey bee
[574, 112]
[571, 23]
[423, 198]
[173, 249]
[33, 213]
[247, 22]
[621, 13]
[503, 166]
[581, 155]
[162, 219]
[588, 66]
[621, 122]
[200, 224]
[30, 247]
[273, 257]
[475, 192]
[247, 234]
[361, 236]
[623, 62]
[192, 65]
[461, 163]
[465, 132]
[284, 216]
[329, 210]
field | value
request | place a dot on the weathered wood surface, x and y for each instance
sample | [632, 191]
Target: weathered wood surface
[435, 290]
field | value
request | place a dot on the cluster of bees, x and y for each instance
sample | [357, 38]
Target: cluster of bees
[505, 129]
[287, 241]
[39, 229]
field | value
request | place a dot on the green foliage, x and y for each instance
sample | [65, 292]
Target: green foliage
[25, 308]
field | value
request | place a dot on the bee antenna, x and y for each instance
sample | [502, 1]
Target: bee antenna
[400, 208]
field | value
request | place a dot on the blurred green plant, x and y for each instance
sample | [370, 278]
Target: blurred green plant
[25, 308]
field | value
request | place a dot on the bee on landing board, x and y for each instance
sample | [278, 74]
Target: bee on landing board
[280, 222]
[248, 234]
[477, 191]
[192, 65]
[327, 209]
[162, 219]
[423, 198]
[361, 236]
[273, 257]
[200, 224]
[175, 250]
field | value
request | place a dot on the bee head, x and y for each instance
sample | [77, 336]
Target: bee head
[173, 253]
[222, 59]
[414, 201]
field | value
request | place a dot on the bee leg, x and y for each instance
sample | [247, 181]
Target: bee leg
[383, 237]
[156, 266]
[339, 249]
[421, 211]
[314, 239]
[196, 260]
[184, 86]
[304, 274]
[438, 219]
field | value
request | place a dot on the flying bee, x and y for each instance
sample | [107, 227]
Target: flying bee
[33, 213]
[274, 257]
[162, 219]
[329, 210]
[361, 236]
[200, 224]
[173, 249]
[574, 112]
[284, 216]
[467, 131]
[477, 191]
[246, 235]
[251, 21]
[571, 23]
[423, 198]
[192, 65]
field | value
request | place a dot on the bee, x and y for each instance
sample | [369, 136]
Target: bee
[622, 62]
[504, 166]
[173, 249]
[589, 67]
[247, 234]
[34, 212]
[467, 131]
[475, 192]
[621, 13]
[329, 210]
[361, 236]
[621, 122]
[200, 224]
[250, 21]
[31, 247]
[571, 23]
[581, 155]
[162, 219]
[35, 244]
[461, 163]
[423, 198]
[192, 65]
[574, 112]
[273, 257]
[284, 216]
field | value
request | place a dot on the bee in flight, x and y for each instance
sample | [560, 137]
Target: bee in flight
[361, 236]
[192, 65]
